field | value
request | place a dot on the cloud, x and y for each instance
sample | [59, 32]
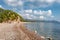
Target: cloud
[1, 6]
[14, 2]
[42, 17]
[20, 3]
[47, 13]
[29, 16]
[43, 3]
[30, 0]
[46, 3]
[50, 1]
[58, 1]
[52, 16]
[38, 14]
[32, 3]
[28, 11]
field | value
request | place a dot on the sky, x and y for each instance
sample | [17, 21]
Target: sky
[34, 9]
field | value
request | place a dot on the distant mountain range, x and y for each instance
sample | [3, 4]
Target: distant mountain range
[52, 21]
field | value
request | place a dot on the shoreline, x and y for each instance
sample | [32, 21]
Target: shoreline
[20, 29]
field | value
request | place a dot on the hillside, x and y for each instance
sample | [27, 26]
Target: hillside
[9, 15]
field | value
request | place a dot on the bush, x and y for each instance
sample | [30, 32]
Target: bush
[6, 15]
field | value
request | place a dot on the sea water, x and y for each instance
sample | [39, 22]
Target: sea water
[46, 29]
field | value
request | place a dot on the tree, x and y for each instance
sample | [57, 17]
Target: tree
[6, 15]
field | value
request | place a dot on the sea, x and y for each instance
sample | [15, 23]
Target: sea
[46, 29]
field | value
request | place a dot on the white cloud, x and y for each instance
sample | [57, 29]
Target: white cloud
[30, 0]
[38, 12]
[50, 1]
[52, 16]
[14, 2]
[58, 1]
[49, 12]
[40, 3]
[35, 11]
[20, 3]
[27, 16]
[46, 13]
[47, 1]
[44, 3]
[1, 6]
[31, 14]
[11, 0]
[42, 17]
[28, 11]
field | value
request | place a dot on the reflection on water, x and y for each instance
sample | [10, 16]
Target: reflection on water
[45, 29]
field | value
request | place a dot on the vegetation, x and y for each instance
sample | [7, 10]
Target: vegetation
[6, 15]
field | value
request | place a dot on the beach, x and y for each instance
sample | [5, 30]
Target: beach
[17, 31]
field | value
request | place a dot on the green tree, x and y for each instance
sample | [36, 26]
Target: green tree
[6, 15]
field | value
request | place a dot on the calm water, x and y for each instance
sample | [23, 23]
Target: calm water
[45, 29]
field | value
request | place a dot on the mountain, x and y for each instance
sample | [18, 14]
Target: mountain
[6, 15]
[50, 21]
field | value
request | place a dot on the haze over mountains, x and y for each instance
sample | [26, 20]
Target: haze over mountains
[50, 21]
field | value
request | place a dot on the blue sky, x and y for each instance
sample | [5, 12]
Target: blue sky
[34, 9]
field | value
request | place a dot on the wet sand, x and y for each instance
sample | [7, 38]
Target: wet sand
[16, 31]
